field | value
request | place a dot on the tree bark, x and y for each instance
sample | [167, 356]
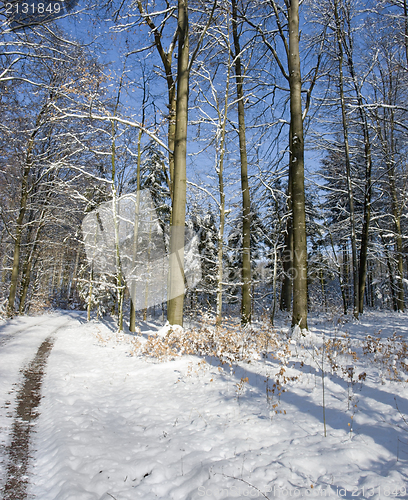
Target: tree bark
[23, 207]
[353, 237]
[287, 257]
[368, 184]
[176, 264]
[299, 312]
[132, 318]
[220, 173]
[386, 134]
[246, 201]
[26, 276]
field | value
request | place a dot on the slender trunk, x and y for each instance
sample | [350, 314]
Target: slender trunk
[60, 278]
[23, 207]
[287, 257]
[25, 281]
[371, 293]
[220, 172]
[339, 272]
[368, 186]
[396, 212]
[172, 134]
[400, 299]
[346, 278]
[176, 264]
[274, 280]
[353, 237]
[299, 312]
[89, 307]
[16, 257]
[390, 273]
[246, 202]
[119, 278]
[132, 319]
[400, 293]
[73, 277]
[322, 285]
[120, 285]
[148, 269]
[19, 228]
[26, 276]
[4, 270]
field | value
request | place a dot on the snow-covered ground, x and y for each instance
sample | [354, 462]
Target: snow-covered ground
[114, 424]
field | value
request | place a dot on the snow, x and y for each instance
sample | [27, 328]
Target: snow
[19, 341]
[114, 424]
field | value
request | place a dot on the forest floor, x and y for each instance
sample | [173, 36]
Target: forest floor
[111, 415]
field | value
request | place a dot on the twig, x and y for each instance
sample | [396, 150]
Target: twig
[246, 482]
[399, 411]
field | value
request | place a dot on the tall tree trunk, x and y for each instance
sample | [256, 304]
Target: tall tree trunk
[390, 273]
[274, 280]
[368, 168]
[287, 257]
[386, 134]
[299, 313]
[26, 276]
[246, 202]
[73, 276]
[176, 263]
[132, 318]
[19, 227]
[16, 253]
[396, 211]
[220, 173]
[23, 205]
[353, 237]
[89, 306]
[346, 277]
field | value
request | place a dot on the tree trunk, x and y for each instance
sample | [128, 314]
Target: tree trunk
[23, 206]
[73, 277]
[220, 172]
[299, 313]
[132, 319]
[368, 168]
[346, 278]
[396, 212]
[26, 276]
[176, 263]
[246, 202]
[89, 307]
[353, 237]
[287, 257]
[19, 230]
[390, 274]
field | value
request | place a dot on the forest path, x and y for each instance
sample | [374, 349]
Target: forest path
[18, 338]
[28, 399]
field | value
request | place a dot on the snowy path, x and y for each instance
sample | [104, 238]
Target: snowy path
[116, 426]
[20, 340]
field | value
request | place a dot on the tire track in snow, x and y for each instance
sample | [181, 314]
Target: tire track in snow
[28, 399]
[5, 338]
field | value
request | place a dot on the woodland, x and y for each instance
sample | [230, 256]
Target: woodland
[274, 129]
